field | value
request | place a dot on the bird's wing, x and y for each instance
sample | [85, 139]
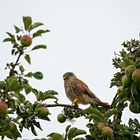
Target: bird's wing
[86, 89]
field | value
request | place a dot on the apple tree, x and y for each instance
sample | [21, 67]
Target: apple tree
[18, 113]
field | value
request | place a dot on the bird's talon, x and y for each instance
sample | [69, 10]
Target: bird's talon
[74, 103]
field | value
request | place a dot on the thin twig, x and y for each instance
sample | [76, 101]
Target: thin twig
[61, 105]
[13, 68]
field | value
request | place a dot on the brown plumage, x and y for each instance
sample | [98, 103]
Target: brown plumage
[79, 93]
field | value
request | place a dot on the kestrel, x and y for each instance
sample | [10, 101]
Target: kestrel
[79, 93]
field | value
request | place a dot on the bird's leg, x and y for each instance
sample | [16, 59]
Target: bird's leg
[75, 102]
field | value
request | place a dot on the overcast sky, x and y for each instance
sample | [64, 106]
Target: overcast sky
[84, 36]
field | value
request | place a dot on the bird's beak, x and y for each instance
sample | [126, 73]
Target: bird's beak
[64, 78]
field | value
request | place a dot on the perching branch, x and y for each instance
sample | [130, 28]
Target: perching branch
[61, 105]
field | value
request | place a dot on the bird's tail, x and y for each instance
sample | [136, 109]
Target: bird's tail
[96, 102]
[104, 104]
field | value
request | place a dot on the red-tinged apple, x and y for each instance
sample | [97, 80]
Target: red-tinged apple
[26, 40]
[3, 107]
[136, 75]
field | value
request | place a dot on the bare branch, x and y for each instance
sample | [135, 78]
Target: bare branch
[61, 105]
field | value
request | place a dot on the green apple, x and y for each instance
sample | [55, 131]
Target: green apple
[61, 118]
[107, 131]
[100, 125]
[43, 112]
[126, 81]
[129, 70]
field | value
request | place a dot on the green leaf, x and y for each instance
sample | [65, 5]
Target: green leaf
[111, 112]
[80, 139]
[11, 103]
[16, 46]
[94, 111]
[37, 124]
[51, 92]
[33, 130]
[27, 88]
[35, 25]
[17, 29]
[26, 121]
[72, 133]
[80, 132]
[96, 118]
[39, 47]
[7, 40]
[39, 33]
[38, 75]
[11, 35]
[27, 22]
[21, 98]
[67, 128]
[27, 58]
[29, 74]
[13, 84]
[40, 96]
[35, 92]
[13, 51]
[133, 89]
[21, 68]
[11, 39]
[56, 136]
[2, 85]
[12, 132]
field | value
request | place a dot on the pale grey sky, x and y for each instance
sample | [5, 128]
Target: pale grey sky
[84, 35]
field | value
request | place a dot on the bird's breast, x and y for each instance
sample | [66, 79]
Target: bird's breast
[74, 92]
[69, 90]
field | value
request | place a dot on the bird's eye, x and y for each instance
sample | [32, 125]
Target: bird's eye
[65, 77]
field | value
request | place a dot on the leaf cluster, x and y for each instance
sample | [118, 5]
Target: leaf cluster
[127, 61]
[70, 134]
[21, 113]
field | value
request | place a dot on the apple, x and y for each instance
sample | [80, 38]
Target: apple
[126, 81]
[107, 131]
[61, 118]
[25, 40]
[43, 112]
[100, 125]
[3, 107]
[136, 75]
[129, 70]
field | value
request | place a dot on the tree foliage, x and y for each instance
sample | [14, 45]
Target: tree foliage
[103, 124]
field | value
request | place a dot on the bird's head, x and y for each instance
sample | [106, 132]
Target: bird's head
[69, 76]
